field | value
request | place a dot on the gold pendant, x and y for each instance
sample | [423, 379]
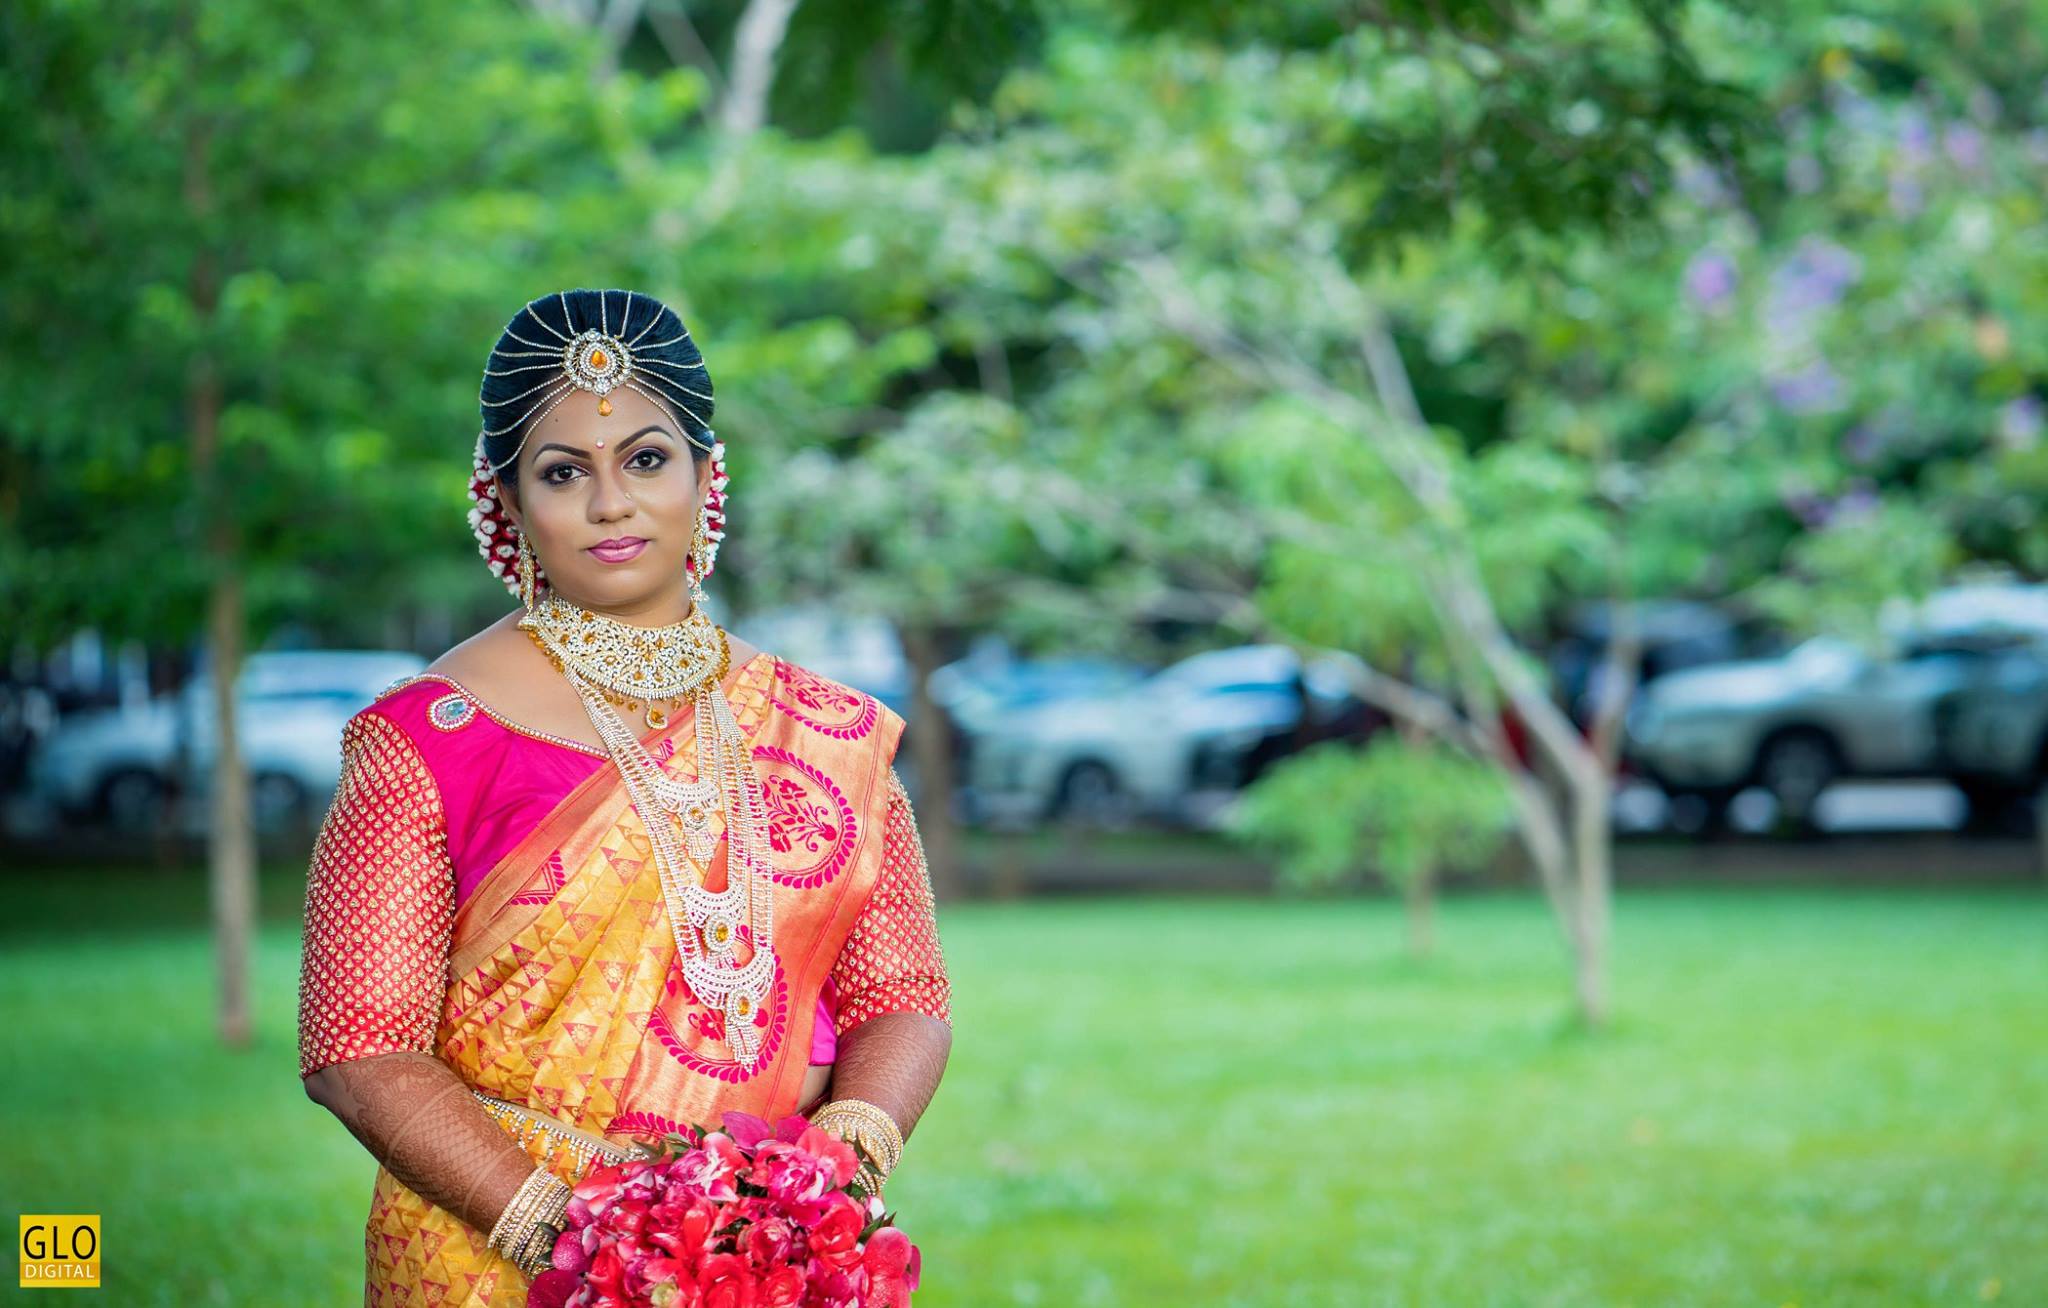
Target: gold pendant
[657, 716]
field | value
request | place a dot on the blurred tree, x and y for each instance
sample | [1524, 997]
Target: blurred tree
[1444, 405]
[1238, 225]
[1405, 809]
[249, 283]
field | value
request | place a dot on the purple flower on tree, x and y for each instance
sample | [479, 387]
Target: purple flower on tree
[1965, 146]
[1710, 280]
[2020, 422]
[1916, 134]
[1813, 278]
[1811, 509]
[1904, 194]
[1815, 388]
[1859, 501]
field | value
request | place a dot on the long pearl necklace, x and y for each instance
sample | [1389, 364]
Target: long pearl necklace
[607, 662]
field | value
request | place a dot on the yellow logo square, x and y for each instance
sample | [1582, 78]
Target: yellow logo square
[59, 1250]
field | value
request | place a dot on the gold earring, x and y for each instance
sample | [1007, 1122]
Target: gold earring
[700, 545]
[527, 568]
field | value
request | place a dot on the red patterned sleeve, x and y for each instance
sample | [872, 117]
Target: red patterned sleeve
[892, 963]
[380, 905]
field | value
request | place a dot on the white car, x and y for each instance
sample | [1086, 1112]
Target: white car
[120, 766]
[1155, 748]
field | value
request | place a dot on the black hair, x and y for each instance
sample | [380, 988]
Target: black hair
[667, 366]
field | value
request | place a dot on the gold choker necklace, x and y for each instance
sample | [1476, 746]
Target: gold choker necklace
[631, 665]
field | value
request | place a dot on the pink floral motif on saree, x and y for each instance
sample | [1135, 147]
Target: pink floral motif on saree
[707, 1032]
[807, 814]
[824, 706]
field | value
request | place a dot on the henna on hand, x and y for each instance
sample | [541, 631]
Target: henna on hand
[894, 1061]
[417, 1118]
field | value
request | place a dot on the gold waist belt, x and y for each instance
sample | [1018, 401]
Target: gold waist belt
[526, 1123]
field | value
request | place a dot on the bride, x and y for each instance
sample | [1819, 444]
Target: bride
[603, 870]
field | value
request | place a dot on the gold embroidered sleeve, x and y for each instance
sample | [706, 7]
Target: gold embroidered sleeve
[892, 961]
[380, 906]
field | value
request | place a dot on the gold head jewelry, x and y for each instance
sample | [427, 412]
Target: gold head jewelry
[599, 361]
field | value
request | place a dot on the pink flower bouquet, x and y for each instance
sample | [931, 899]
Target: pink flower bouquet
[752, 1216]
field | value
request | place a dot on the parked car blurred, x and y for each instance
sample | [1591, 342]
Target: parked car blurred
[1993, 736]
[992, 678]
[1827, 710]
[1675, 635]
[1151, 746]
[121, 766]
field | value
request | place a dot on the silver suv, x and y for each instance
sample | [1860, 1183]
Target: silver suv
[1827, 710]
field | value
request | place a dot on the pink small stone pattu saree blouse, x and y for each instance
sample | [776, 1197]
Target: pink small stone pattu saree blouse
[487, 893]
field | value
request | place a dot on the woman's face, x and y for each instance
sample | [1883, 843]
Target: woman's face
[610, 505]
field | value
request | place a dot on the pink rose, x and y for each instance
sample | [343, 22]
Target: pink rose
[726, 1281]
[836, 1236]
[768, 1242]
[887, 1260]
[607, 1274]
[790, 1174]
[709, 1170]
[781, 1288]
[837, 1287]
[836, 1153]
[747, 1129]
[687, 1238]
[551, 1289]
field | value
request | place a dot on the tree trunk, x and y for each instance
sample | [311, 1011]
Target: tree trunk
[231, 837]
[231, 844]
[931, 744]
[756, 45]
[1592, 870]
[1421, 896]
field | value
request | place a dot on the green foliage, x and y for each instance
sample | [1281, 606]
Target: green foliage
[320, 207]
[1403, 811]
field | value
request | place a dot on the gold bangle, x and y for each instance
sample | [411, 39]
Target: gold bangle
[868, 1114]
[540, 1194]
[509, 1215]
[878, 1146]
[861, 1108]
[537, 1251]
[849, 1127]
[869, 1125]
[537, 1255]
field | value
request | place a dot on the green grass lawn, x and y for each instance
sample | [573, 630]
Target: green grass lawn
[1806, 1098]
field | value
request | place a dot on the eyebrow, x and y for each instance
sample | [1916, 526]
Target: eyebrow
[584, 454]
